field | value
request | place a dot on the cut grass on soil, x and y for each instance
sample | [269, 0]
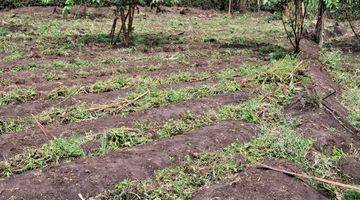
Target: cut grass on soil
[17, 95]
[119, 138]
[347, 73]
[286, 86]
[277, 141]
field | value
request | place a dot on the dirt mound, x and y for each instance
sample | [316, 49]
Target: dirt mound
[12, 144]
[351, 167]
[262, 184]
[94, 175]
[327, 122]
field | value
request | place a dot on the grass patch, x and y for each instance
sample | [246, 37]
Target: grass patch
[17, 95]
[277, 141]
[119, 138]
[50, 153]
[346, 72]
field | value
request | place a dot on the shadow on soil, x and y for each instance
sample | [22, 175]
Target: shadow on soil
[351, 45]
[264, 50]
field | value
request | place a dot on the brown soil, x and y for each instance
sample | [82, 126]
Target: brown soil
[94, 175]
[254, 183]
[351, 167]
[90, 176]
[326, 124]
[327, 132]
[11, 144]
[41, 104]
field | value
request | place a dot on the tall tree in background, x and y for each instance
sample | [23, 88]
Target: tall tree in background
[348, 10]
[319, 28]
[294, 22]
[125, 11]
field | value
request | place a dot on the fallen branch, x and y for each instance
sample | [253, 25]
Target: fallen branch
[129, 103]
[329, 95]
[41, 127]
[357, 35]
[81, 196]
[311, 177]
[124, 128]
[119, 104]
[103, 107]
[343, 122]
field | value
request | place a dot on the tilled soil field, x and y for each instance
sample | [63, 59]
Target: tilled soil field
[191, 111]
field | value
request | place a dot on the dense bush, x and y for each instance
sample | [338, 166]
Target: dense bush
[219, 4]
[206, 4]
[22, 3]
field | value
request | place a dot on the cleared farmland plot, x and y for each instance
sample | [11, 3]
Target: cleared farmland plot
[189, 112]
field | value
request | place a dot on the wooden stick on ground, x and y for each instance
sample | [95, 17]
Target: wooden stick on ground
[312, 177]
[41, 127]
[133, 101]
[121, 105]
[110, 105]
[133, 130]
[81, 196]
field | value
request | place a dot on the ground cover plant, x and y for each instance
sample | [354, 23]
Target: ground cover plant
[173, 102]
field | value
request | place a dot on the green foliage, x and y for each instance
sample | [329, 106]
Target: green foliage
[4, 32]
[206, 168]
[62, 92]
[120, 138]
[279, 142]
[244, 111]
[351, 195]
[16, 95]
[347, 75]
[110, 85]
[50, 153]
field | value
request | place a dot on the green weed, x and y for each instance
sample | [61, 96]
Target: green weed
[17, 95]
[63, 92]
[49, 153]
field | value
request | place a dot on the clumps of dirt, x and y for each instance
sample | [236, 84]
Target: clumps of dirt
[12, 144]
[326, 131]
[351, 167]
[349, 44]
[13, 28]
[335, 31]
[90, 147]
[32, 9]
[255, 183]
[94, 175]
[325, 122]
[91, 12]
[194, 11]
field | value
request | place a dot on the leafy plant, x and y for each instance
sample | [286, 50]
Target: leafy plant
[17, 95]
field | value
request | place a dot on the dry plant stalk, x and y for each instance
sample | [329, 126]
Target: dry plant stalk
[42, 127]
[119, 104]
[311, 177]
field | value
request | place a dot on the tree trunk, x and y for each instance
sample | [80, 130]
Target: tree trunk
[230, 6]
[319, 28]
[299, 14]
[113, 28]
[242, 5]
[287, 9]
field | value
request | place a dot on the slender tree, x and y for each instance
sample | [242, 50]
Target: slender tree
[294, 23]
[319, 28]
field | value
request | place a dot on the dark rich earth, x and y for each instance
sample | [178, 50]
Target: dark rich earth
[255, 183]
[181, 52]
